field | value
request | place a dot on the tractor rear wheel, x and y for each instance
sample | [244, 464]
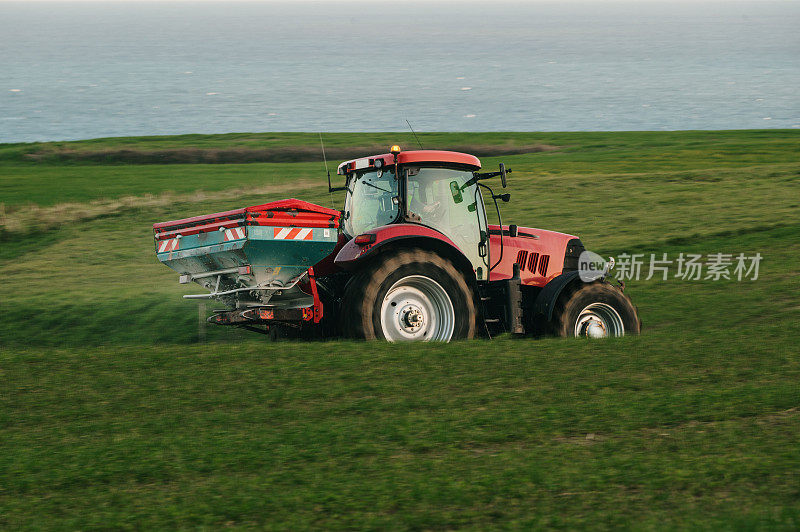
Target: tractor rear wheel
[594, 310]
[409, 295]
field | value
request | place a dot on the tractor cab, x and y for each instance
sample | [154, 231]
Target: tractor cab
[436, 189]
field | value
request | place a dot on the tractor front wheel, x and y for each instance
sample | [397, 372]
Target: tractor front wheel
[594, 310]
[409, 295]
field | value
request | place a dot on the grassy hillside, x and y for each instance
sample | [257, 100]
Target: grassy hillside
[113, 416]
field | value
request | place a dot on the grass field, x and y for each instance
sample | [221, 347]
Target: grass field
[112, 415]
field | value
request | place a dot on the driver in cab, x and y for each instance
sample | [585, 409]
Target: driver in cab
[424, 202]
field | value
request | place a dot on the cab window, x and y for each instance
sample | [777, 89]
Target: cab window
[442, 199]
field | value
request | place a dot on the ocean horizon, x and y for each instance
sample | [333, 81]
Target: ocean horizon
[78, 70]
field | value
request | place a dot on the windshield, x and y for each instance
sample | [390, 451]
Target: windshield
[371, 201]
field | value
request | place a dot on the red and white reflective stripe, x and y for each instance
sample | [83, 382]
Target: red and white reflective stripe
[168, 245]
[293, 233]
[234, 234]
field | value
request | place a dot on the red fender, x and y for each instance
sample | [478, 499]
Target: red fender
[352, 253]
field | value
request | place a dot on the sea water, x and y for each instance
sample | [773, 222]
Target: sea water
[95, 69]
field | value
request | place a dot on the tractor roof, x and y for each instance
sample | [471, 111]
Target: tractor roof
[410, 157]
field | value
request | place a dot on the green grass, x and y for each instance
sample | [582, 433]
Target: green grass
[113, 416]
[632, 433]
[49, 184]
[23, 182]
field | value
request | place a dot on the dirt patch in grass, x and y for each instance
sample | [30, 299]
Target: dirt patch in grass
[289, 154]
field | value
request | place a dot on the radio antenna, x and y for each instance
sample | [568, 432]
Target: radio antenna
[415, 134]
[327, 171]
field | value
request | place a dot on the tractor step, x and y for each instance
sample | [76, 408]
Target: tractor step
[502, 300]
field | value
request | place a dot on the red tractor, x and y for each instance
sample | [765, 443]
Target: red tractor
[410, 257]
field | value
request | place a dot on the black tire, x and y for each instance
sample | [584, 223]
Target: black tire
[365, 294]
[584, 309]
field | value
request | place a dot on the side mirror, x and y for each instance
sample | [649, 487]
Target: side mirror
[503, 174]
[455, 190]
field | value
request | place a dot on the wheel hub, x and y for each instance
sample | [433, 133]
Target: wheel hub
[411, 318]
[599, 320]
[594, 328]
